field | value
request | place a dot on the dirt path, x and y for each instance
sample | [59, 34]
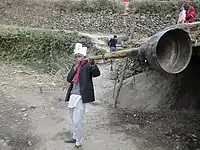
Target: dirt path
[97, 40]
[40, 121]
[100, 39]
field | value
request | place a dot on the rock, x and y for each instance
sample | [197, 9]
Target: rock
[1, 141]
[4, 144]
[132, 127]
[29, 143]
[23, 109]
[32, 107]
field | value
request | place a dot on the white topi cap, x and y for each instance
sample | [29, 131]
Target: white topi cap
[80, 50]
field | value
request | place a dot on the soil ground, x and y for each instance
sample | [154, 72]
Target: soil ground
[31, 120]
[34, 120]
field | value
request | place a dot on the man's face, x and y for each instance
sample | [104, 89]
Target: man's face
[78, 58]
[187, 6]
[182, 8]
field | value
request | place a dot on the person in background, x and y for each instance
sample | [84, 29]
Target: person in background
[191, 13]
[182, 15]
[113, 44]
[125, 1]
[80, 92]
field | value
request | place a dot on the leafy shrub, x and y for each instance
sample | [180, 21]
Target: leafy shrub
[153, 6]
[92, 6]
[46, 50]
[160, 7]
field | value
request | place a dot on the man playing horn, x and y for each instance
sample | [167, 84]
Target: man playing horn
[80, 92]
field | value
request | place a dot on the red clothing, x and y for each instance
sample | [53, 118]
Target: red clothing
[75, 79]
[190, 17]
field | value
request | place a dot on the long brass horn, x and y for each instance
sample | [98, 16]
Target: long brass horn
[169, 51]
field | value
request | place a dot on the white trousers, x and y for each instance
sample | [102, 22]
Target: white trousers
[77, 110]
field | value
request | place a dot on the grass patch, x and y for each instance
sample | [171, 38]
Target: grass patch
[91, 6]
[47, 50]
[160, 7]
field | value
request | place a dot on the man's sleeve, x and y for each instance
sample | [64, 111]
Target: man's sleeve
[95, 70]
[71, 74]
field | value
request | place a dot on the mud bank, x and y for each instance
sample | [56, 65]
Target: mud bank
[152, 90]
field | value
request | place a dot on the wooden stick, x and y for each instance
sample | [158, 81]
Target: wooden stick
[115, 84]
[117, 54]
[120, 83]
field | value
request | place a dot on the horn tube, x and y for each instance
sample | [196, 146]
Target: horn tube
[169, 51]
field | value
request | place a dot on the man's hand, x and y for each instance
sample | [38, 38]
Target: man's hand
[76, 66]
[91, 62]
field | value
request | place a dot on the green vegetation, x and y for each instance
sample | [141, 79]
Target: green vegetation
[48, 50]
[160, 7]
[91, 6]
